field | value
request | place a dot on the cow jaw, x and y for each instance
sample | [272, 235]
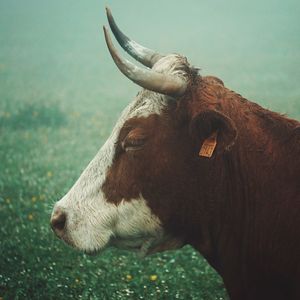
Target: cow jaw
[128, 234]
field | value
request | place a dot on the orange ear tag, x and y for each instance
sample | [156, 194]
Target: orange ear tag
[209, 146]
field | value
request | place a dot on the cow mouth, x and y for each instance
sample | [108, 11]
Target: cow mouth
[88, 251]
[67, 240]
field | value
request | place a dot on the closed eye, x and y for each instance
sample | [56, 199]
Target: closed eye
[130, 144]
[134, 140]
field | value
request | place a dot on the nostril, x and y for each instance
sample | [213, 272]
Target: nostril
[58, 222]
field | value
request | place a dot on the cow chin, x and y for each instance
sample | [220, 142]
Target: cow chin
[86, 242]
[148, 246]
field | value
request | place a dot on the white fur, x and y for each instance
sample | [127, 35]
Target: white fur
[92, 222]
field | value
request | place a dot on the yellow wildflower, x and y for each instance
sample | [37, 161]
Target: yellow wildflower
[77, 280]
[49, 174]
[30, 217]
[33, 198]
[128, 277]
[153, 277]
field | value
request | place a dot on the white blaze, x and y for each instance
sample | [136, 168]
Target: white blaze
[91, 220]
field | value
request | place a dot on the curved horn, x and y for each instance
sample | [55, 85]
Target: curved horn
[147, 78]
[142, 54]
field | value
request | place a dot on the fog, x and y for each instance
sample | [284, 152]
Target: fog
[58, 46]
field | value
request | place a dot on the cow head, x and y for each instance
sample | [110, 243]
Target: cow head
[124, 196]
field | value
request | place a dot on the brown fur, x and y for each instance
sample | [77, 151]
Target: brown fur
[241, 207]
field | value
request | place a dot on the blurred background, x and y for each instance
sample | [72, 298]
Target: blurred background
[60, 95]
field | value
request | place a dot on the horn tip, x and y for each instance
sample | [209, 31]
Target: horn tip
[108, 11]
[105, 29]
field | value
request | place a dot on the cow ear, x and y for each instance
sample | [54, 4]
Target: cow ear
[212, 128]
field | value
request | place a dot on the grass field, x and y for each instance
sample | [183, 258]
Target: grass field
[60, 95]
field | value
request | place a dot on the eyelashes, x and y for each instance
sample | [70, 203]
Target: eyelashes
[133, 144]
[135, 140]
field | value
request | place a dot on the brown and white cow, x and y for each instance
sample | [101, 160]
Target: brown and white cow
[149, 189]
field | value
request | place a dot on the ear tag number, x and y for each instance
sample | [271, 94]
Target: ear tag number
[209, 145]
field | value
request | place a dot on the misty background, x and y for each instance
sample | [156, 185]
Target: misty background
[58, 47]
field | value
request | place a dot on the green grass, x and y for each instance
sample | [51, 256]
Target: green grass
[43, 149]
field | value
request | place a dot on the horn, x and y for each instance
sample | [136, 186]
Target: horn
[142, 54]
[146, 78]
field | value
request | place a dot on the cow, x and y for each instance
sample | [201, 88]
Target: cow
[191, 162]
